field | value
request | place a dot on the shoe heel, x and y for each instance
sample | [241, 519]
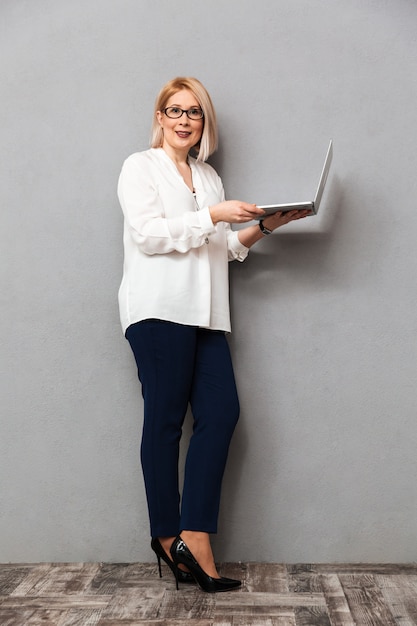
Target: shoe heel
[180, 575]
[159, 565]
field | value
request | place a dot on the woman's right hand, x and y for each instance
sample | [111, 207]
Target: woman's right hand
[234, 212]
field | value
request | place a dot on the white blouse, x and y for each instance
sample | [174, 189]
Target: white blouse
[175, 259]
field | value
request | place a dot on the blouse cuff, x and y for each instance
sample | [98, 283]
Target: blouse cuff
[237, 251]
[205, 221]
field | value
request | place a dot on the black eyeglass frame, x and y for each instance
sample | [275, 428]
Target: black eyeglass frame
[186, 111]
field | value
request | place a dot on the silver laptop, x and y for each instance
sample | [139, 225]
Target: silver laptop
[312, 205]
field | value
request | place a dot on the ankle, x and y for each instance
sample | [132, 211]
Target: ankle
[195, 536]
[200, 547]
[166, 543]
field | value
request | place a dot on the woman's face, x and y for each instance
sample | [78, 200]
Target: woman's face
[181, 134]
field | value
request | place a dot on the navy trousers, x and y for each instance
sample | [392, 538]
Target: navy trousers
[180, 366]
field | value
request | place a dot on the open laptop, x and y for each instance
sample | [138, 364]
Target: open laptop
[312, 205]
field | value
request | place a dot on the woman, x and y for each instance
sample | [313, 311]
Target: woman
[174, 311]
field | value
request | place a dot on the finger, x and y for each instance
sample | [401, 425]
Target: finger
[255, 210]
[296, 215]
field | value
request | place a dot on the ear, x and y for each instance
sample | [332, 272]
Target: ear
[159, 116]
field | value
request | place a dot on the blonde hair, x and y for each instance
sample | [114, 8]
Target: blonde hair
[209, 138]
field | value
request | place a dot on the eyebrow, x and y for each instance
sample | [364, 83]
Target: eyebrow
[193, 106]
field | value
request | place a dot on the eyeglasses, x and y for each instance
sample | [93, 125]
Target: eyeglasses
[175, 113]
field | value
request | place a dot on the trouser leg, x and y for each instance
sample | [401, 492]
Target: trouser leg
[164, 354]
[215, 407]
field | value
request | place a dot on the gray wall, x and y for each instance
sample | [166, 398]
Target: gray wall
[323, 465]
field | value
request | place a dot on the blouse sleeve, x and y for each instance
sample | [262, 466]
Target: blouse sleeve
[236, 250]
[144, 214]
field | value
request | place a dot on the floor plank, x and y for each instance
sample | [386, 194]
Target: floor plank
[366, 600]
[34, 577]
[311, 616]
[267, 577]
[337, 605]
[60, 602]
[187, 603]
[400, 593]
[75, 617]
[142, 603]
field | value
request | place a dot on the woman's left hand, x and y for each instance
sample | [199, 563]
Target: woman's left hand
[284, 217]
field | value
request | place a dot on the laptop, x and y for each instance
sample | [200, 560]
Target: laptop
[312, 205]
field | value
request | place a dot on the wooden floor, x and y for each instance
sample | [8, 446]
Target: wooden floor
[100, 594]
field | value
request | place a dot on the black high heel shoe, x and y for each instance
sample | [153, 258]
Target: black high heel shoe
[180, 575]
[182, 555]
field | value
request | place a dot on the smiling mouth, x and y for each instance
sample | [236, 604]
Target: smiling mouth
[183, 134]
